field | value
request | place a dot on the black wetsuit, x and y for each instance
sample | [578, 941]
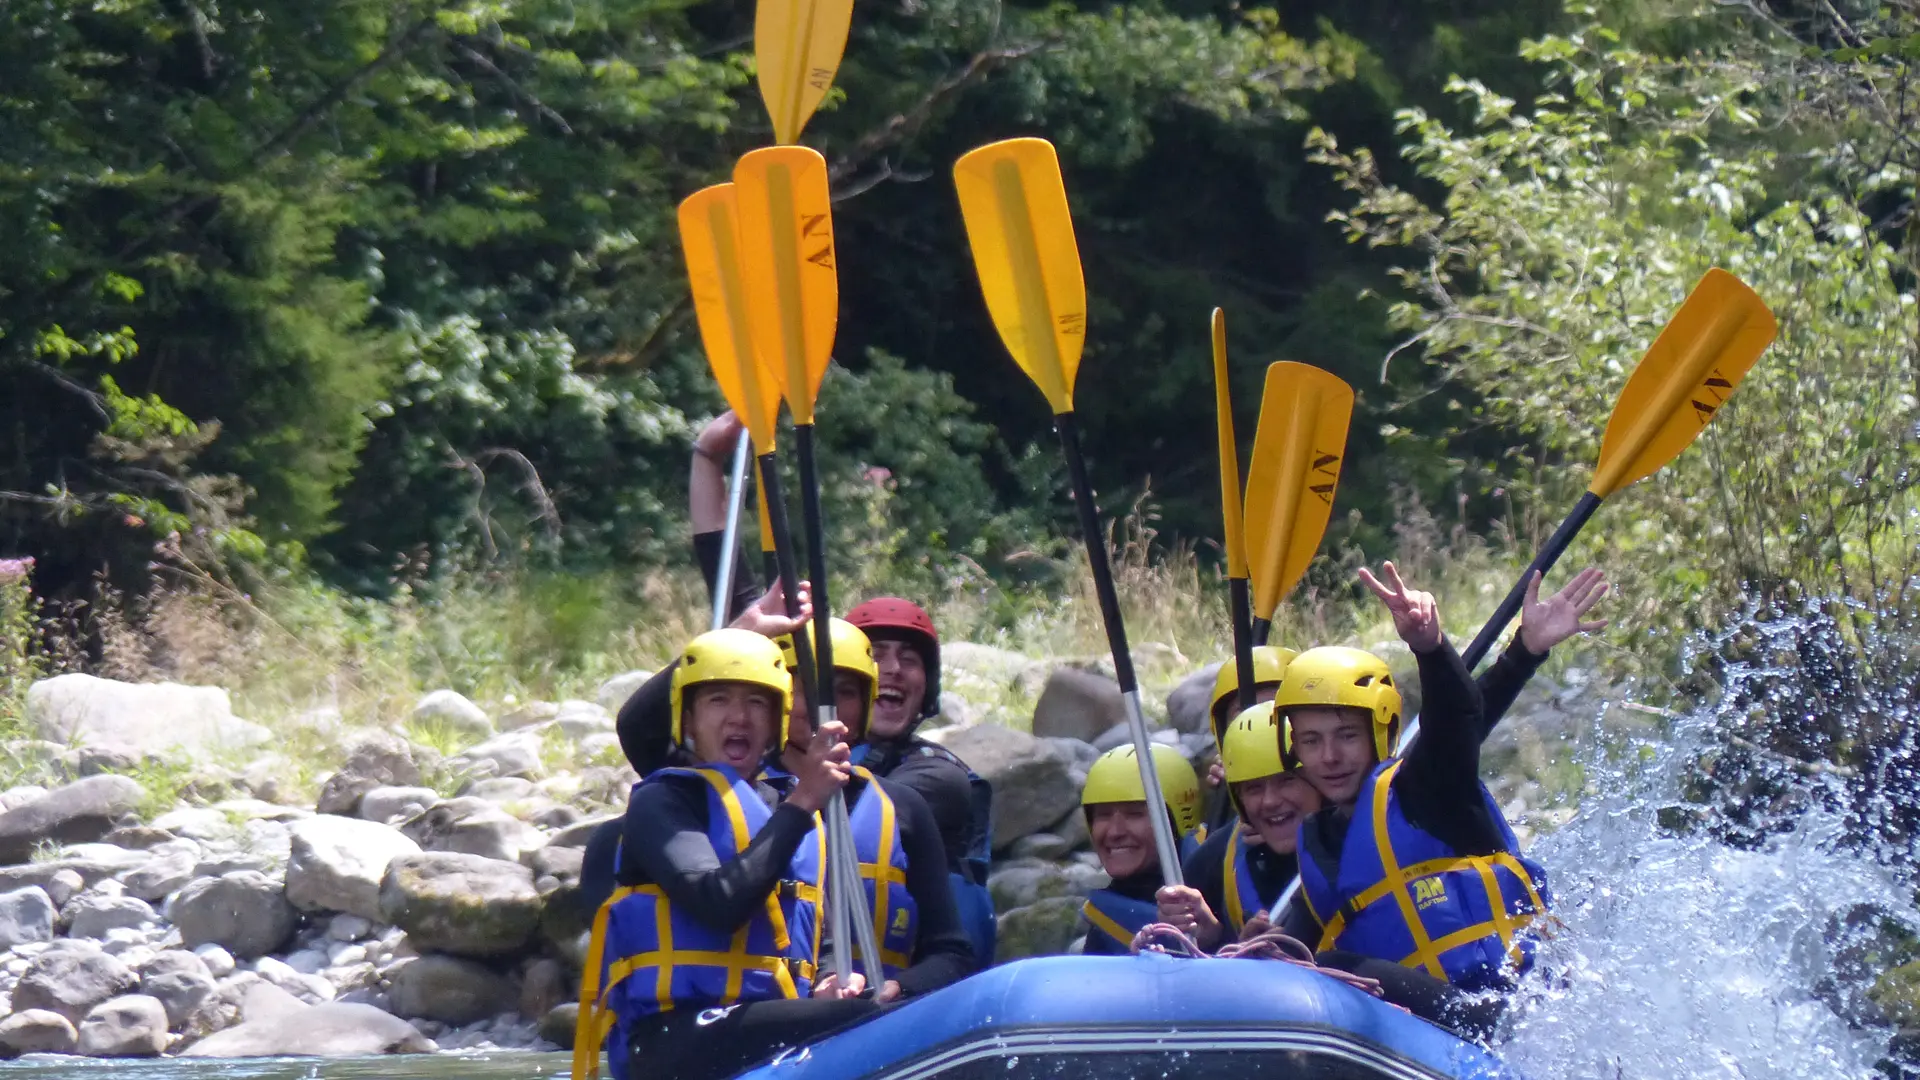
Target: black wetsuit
[1206, 871]
[667, 844]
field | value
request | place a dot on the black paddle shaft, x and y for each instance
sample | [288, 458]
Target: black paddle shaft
[1556, 546]
[817, 563]
[789, 576]
[1096, 552]
[1261, 629]
[1240, 604]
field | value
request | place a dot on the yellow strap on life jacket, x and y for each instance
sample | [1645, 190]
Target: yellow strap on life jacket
[1395, 880]
[1104, 923]
[1230, 875]
[883, 873]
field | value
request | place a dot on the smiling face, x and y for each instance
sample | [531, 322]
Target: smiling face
[1122, 837]
[1275, 805]
[1335, 747]
[903, 689]
[732, 723]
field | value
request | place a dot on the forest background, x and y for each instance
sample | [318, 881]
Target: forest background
[346, 350]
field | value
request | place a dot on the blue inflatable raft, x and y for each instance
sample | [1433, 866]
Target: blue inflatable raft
[1148, 1017]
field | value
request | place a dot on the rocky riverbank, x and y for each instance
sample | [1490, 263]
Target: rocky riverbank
[404, 898]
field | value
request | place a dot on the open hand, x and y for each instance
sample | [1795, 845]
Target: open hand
[1544, 624]
[1415, 614]
[768, 615]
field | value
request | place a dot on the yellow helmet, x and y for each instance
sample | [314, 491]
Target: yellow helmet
[1115, 778]
[1269, 666]
[852, 651]
[1338, 676]
[1251, 748]
[732, 656]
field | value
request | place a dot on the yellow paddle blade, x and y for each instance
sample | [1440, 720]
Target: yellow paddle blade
[1297, 451]
[1707, 348]
[786, 231]
[1015, 207]
[709, 235]
[797, 45]
[1229, 453]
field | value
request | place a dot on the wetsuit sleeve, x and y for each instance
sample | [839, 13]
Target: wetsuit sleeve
[1500, 686]
[666, 841]
[645, 723]
[1297, 922]
[1441, 772]
[942, 953]
[948, 795]
[746, 585]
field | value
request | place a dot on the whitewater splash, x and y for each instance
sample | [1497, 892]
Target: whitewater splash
[1685, 957]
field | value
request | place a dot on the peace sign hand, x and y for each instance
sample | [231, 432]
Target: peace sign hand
[1546, 624]
[1415, 614]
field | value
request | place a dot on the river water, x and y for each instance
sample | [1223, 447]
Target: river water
[1681, 955]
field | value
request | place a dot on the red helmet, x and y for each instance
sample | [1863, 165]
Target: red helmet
[889, 618]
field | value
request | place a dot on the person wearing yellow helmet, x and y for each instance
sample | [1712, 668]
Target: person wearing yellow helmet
[897, 841]
[1115, 803]
[1234, 875]
[1269, 667]
[718, 898]
[1411, 864]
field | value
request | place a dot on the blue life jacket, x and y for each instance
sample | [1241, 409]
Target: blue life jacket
[1242, 895]
[1113, 920]
[969, 880]
[646, 956]
[883, 870]
[1398, 893]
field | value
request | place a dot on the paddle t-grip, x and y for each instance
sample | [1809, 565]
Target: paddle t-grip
[1164, 841]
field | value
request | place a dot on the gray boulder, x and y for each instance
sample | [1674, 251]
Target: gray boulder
[81, 811]
[388, 805]
[579, 719]
[554, 868]
[1082, 754]
[1044, 928]
[92, 914]
[139, 837]
[473, 827]
[1078, 704]
[37, 1031]
[1019, 884]
[26, 916]
[529, 715]
[336, 863]
[577, 834]
[308, 989]
[162, 876]
[451, 711]
[244, 912]
[130, 1026]
[375, 759]
[517, 753]
[84, 711]
[558, 1025]
[461, 904]
[615, 691]
[450, 990]
[1032, 780]
[180, 982]
[1189, 703]
[1045, 846]
[499, 789]
[336, 1029]
[70, 979]
[544, 985]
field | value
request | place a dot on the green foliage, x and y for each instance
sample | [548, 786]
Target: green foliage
[1566, 237]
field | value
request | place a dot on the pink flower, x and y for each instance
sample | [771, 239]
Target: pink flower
[15, 569]
[878, 476]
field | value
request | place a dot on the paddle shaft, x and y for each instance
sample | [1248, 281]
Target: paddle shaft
[840, 830]
[1262, 629]
[1168, 848]
[1240, 610]
[736, 490]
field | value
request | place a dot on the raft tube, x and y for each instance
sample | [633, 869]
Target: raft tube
[1122, 1018]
